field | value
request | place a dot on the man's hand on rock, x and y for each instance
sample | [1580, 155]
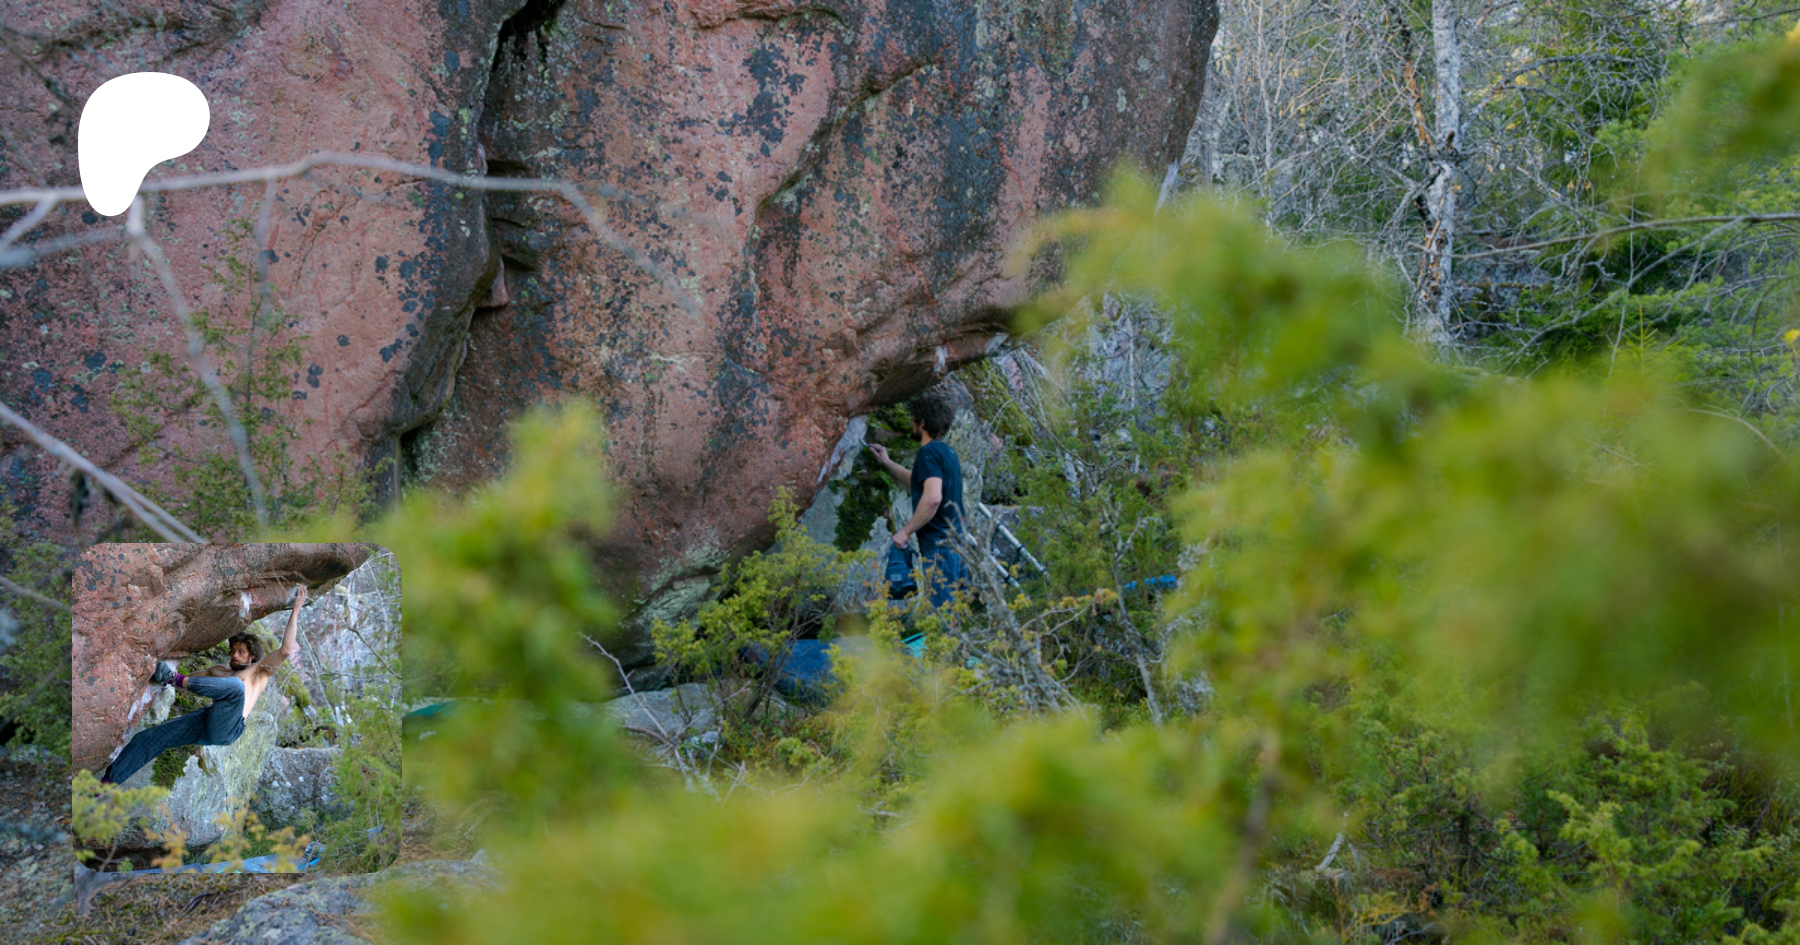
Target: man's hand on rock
[880, 452]
[164, 674]
[300, 597]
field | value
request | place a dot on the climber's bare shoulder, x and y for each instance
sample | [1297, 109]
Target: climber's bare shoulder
[256, 678]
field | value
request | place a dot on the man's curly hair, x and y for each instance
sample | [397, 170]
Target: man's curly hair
[933, 411]
[248, 639]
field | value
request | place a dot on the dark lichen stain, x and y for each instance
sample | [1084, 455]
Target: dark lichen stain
[440, 132]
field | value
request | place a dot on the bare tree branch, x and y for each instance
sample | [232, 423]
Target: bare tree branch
[301, 167]
[26, 222]
[196, 352]
[1669, 224]
[146, 511]
[23, 591]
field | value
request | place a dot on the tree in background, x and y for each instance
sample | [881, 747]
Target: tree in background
[1451, 138]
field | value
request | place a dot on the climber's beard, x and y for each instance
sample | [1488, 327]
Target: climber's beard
[237, 666]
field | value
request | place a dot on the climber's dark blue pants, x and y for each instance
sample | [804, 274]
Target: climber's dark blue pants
[218, 724]
[945, 572]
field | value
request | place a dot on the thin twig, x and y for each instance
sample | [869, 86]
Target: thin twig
[20, 256]
[668, 740]
[196, 352]
[161, 522]
[26, 222]
[34, 595]
[1749, 426]
[1633, 228]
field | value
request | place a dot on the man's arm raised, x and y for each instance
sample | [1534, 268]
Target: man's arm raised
[900, 473]
[290, 644]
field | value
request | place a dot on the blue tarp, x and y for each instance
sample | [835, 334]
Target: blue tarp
[256, 864]
[806, 673]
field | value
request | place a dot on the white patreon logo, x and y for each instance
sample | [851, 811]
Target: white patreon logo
[131, 124]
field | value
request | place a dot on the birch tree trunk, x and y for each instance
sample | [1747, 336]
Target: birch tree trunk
[1436, 279]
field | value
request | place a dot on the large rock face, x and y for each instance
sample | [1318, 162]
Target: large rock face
[313, 912]
[294, 781]
[837, 185]
[135, 604]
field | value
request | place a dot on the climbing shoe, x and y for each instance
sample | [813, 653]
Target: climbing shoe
[165, 673]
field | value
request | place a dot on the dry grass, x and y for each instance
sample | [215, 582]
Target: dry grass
[156, 909]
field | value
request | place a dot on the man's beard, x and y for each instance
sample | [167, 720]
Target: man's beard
[235, 665]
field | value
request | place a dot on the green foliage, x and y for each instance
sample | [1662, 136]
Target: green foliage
[37, 662]
[1602, 66]
[1096, 461]
[1524, 845]
[868, 489]
[893, 715]
[1045, 833]
[499, 591]
[98, 813]
[367, 780]
[1259, 328]
[739, 642]
[1735, 122]
[1716, 296]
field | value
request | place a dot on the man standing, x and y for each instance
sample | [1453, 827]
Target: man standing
[233, 690]
[935, 482]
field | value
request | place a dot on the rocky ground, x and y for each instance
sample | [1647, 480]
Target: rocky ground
[37, 904]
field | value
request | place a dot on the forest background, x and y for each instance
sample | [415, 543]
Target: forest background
[1453, 373]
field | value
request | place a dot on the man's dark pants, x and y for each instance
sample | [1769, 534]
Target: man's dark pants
[945, 571]
[218, 724]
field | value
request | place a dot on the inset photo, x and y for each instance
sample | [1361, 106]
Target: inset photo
[236, 708]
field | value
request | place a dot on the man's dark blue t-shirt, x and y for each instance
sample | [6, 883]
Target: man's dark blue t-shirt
[936, 460]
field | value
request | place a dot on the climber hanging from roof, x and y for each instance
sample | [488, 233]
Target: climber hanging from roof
[233, 690]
